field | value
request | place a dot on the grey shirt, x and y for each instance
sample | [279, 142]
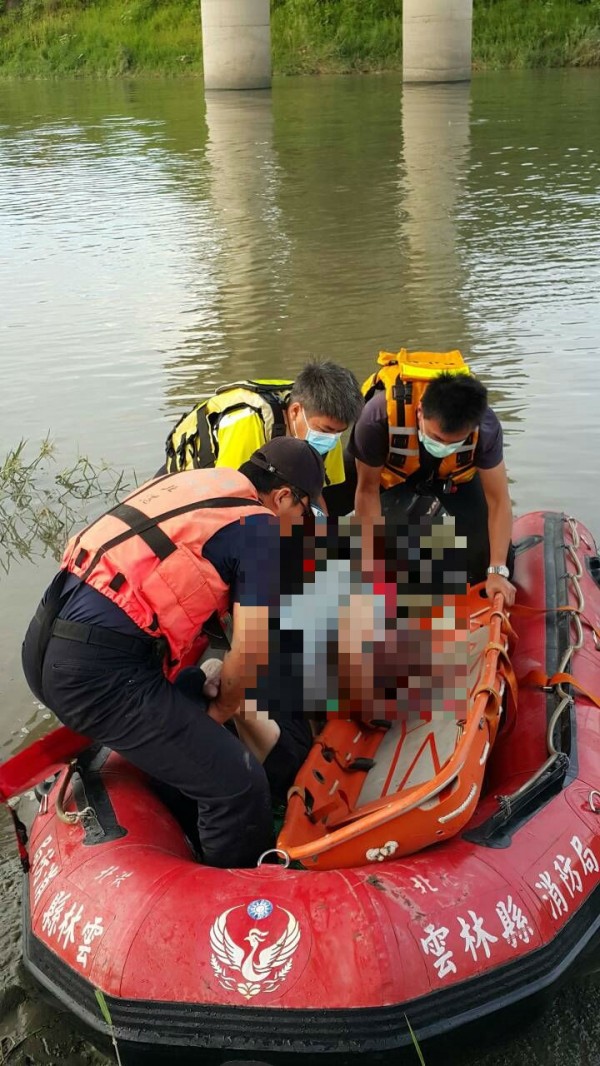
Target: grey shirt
[314, 612]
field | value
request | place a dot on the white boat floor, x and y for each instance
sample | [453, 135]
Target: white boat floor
[410, 753]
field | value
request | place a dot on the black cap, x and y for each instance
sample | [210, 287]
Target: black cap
[295, 462]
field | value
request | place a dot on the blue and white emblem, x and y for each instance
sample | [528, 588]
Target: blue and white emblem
[260, 908]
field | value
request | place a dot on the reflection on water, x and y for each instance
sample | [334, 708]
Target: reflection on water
[157, 244]
[433, 169]
[241, 262]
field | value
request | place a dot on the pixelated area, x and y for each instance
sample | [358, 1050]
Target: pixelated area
[372, 622]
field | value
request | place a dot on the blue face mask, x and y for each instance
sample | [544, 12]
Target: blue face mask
[321, 442]
[437, 449]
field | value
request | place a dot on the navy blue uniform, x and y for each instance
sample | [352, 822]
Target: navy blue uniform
[125, 702]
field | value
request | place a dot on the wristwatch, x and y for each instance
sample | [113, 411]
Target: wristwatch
[502, 570]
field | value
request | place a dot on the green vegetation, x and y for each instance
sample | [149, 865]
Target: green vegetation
[318, 36]
[45, 38]
[416, 1044]
[107, 1018]
[534, 33]
[39, 506]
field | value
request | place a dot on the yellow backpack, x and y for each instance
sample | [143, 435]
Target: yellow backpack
[193, 443]
[405, 376]
[412, 366]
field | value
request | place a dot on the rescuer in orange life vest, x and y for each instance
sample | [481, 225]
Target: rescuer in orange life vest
[114, 644]
[426, 427]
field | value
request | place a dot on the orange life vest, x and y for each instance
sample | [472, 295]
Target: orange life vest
[405, 377]
[146, 555]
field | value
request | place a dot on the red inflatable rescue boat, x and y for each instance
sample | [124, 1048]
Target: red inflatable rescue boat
[332, 960]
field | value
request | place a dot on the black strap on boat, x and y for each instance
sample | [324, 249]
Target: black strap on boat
[359, 765]
[528, 542]
[495, 831]
[21, 835]
[374, 724]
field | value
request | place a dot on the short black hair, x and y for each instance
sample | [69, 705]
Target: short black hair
[330, 390]
[456, 401]
[265, 482]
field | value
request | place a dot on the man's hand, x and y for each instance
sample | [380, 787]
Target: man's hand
[249, 649]
[494, 483]
[367, 502]
[256, 730]
[496, 583]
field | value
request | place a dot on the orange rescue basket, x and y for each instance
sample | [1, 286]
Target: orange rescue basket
[371, 791]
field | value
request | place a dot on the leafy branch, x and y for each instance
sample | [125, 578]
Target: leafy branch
[39, 505]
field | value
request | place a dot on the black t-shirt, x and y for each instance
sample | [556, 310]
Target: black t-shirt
[245, 554]
[370, 444]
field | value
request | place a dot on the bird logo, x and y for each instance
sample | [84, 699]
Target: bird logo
[260, 966]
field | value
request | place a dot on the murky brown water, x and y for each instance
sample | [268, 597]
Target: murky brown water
[154, 246]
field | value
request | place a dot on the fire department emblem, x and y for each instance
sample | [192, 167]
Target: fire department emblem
[264, 964]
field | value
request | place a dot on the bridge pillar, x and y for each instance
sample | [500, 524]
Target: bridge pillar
[436, 36]
[236, 42]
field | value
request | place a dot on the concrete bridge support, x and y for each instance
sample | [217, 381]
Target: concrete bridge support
[437, 37]
[236, 41]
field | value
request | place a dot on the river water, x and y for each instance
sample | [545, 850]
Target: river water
[155, 244]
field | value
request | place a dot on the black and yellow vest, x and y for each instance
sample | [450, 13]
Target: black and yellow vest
[193, 443]
[404, 377]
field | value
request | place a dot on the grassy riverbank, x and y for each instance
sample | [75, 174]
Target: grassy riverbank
[46, 38]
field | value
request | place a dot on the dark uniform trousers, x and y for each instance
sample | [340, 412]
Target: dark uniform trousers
[124, 701]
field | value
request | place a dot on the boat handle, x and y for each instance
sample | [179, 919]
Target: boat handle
[594, 809]
[69, 817]
[275, 851]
